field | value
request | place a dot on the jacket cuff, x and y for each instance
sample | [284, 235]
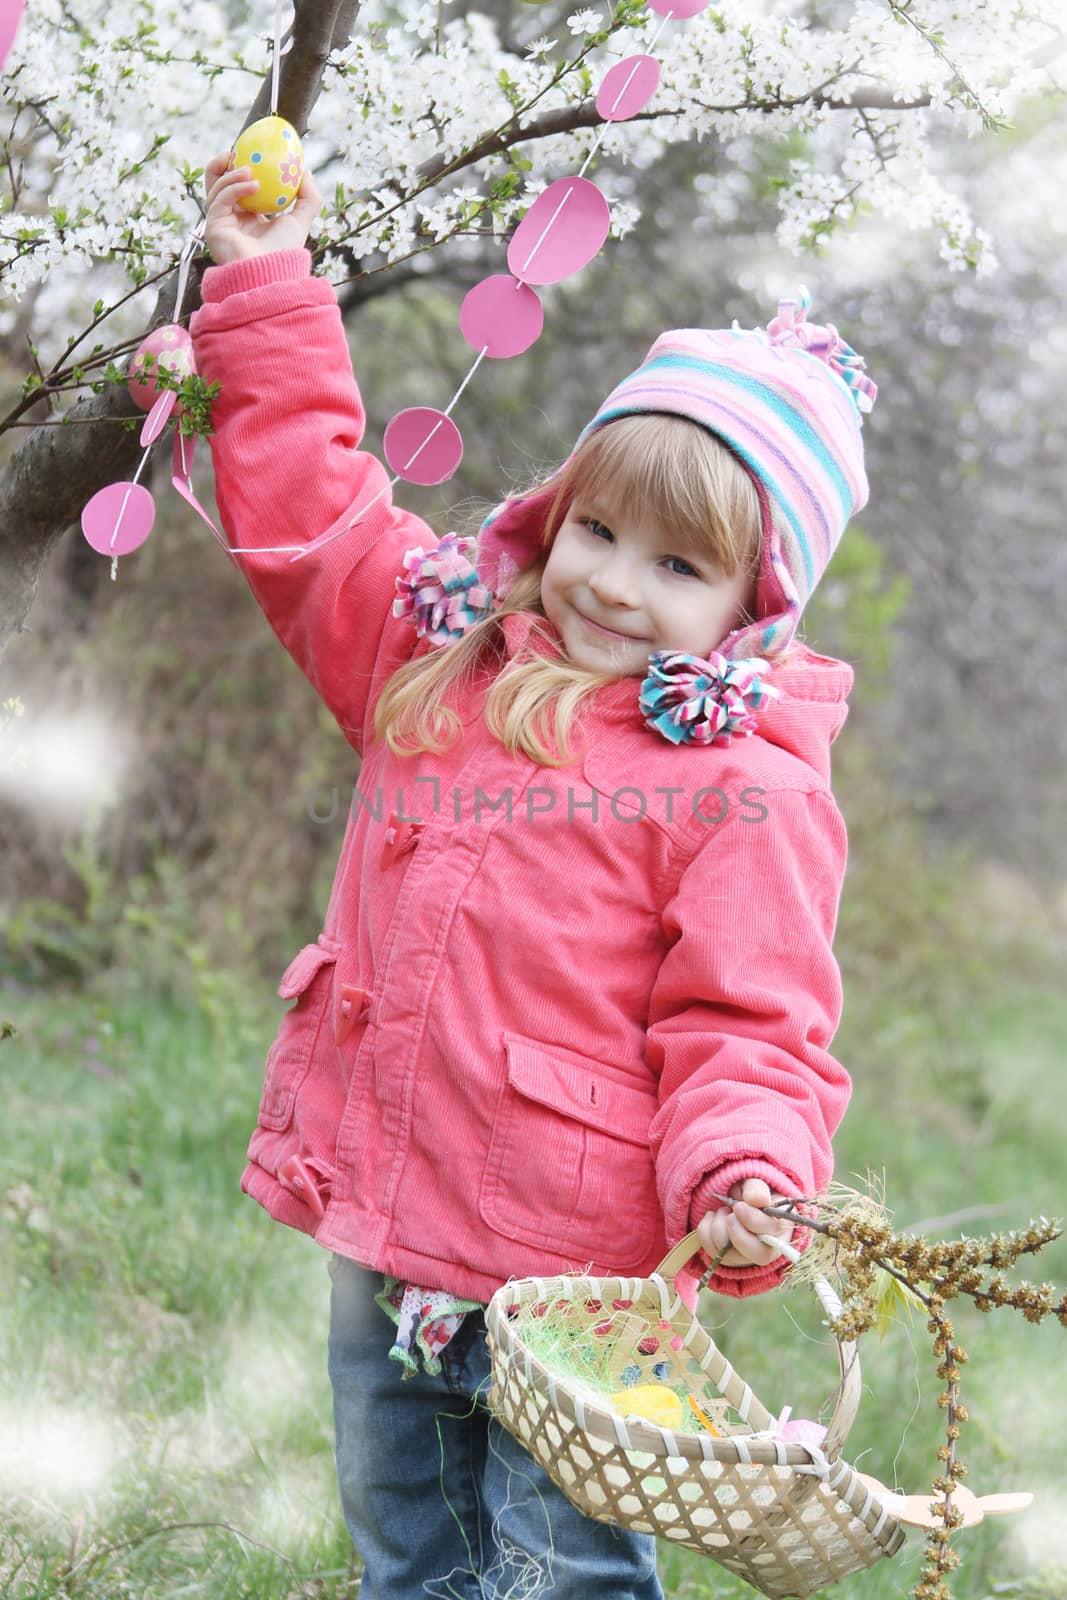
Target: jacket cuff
[277, 266]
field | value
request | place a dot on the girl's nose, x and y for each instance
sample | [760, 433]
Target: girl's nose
[615, 582]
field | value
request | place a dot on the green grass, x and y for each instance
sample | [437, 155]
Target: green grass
[165, 1423]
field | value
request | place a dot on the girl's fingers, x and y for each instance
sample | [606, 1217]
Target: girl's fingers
[230, 184]
[215, 166]
[746, 1244]
[757, 1221]
[712, 1232]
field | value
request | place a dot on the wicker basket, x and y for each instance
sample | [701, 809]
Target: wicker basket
[787, 1518]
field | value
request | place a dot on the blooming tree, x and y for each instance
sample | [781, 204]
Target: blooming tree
[429, 129]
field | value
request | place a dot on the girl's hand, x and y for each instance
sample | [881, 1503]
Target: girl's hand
[736, 1230]
[233, 234]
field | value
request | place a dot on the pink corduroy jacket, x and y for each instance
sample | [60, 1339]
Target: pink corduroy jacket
[550, 1008]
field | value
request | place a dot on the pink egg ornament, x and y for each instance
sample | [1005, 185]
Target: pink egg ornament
[172, 351]
[501, 316]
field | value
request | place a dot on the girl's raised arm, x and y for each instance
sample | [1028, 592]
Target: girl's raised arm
[288, 421]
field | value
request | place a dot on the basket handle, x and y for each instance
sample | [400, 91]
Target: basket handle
[849, 1389]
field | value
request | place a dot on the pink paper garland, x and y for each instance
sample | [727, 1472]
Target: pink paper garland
[562, 231]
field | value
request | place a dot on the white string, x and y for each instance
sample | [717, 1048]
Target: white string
[184, 264]
[478, 361]
[122, 511]
[275, 58]
[302, 550]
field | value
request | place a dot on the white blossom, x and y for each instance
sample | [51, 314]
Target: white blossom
[584, 22]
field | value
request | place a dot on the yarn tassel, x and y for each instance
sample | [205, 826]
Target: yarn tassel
[690, 699]
[441, 591]
[792, 328]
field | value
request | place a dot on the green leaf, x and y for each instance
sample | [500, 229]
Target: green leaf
[892, 1300]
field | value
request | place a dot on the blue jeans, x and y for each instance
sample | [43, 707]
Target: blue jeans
[403, 1444]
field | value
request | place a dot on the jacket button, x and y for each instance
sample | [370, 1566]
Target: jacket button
[295, 1176]
[353, 1007]
[399, 837]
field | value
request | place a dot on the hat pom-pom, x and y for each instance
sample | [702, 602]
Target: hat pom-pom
[441, 591]
[792, 329]
[698, 701]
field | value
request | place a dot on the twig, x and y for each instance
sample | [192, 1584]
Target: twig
[902, 9]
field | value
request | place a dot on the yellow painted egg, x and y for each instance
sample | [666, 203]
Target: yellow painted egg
[271, 149]
[650, 1401]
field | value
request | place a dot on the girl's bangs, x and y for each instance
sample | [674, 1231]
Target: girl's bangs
[674, 476]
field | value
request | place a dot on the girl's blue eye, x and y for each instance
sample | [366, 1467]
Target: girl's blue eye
[593, 525]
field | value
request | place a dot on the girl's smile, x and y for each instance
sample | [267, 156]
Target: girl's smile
[611, 633]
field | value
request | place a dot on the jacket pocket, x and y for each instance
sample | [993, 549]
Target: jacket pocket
[569, 1167]
[307, 980]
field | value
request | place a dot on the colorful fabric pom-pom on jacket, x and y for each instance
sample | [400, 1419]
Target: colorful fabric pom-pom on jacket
[550, 1009]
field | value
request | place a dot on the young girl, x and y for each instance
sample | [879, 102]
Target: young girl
[576, 979]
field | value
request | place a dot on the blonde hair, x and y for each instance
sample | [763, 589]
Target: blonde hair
[671, 474]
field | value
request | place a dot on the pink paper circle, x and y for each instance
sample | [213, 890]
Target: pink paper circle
[576, 217]
[503, 314]
[158, 417]
[628, 88]
[126, 506]
[172, 348]
[10, 17]
[679, 11]
[423, 445]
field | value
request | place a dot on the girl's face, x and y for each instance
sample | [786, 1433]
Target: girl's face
[647, 591]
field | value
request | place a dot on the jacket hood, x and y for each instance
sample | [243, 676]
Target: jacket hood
[812, 709]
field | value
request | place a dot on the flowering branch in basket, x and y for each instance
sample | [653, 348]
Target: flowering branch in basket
[854, 1241]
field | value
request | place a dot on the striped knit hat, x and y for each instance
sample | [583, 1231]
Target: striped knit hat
[788, 400]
